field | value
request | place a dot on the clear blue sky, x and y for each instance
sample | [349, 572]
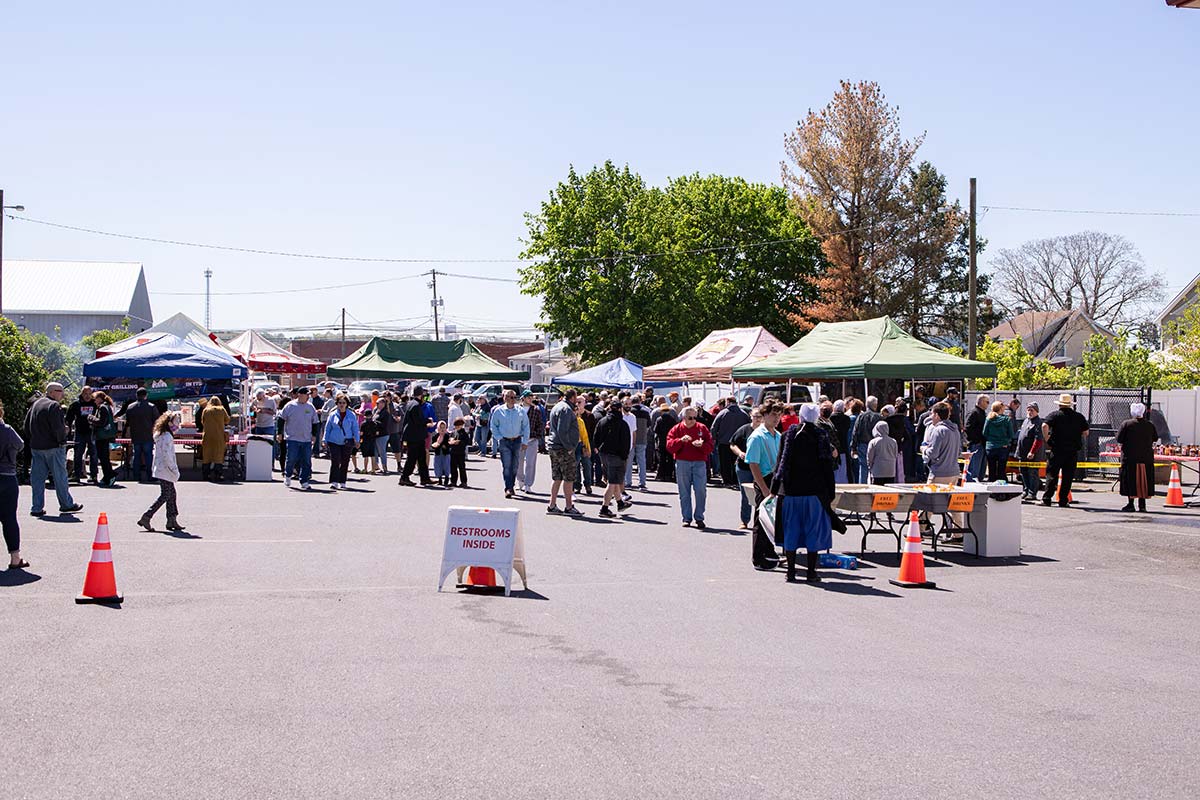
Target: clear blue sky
[417, 130]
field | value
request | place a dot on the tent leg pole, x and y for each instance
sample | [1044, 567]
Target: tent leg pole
[866, 391]
[788, 399]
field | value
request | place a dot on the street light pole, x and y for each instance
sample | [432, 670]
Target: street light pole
[4, 208]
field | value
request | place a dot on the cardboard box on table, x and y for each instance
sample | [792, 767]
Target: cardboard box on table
[484, 537]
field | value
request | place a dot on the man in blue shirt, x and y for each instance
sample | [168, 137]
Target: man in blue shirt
[762, 453]
[510, 430]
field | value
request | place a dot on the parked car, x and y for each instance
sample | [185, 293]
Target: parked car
[487, 391]
[758, 393]
[548, 393]
[361, 389]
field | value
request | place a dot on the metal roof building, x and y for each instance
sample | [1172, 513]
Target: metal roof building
[75, 297]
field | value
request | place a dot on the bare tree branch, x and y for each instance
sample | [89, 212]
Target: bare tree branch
[1101, 274]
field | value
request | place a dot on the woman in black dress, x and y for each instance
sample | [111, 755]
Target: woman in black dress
[667, 419]
[1136, 437]
[804, 482]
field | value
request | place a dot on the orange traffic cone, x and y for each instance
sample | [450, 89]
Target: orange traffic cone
[1175, 490]
[100, 584]
[966, 463]
[1058, 495]
[481, 576]
[912, 564]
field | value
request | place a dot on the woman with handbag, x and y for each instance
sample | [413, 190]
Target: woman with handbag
[104, 427]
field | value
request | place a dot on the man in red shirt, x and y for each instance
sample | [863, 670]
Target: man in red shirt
[691, 443]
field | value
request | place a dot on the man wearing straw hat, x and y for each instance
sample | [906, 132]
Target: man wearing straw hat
[1065, 431]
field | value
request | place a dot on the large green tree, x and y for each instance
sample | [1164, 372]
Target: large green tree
[21, 372]
[626, 269]
[59, 359]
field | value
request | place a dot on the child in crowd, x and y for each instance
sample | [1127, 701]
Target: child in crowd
[440, 446]
[166, 472]
[368, 431]
[459, 441]
[881, 455]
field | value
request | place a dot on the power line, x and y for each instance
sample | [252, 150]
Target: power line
[264, 252]
[380, 260]
[1087, 211]
[294, 291]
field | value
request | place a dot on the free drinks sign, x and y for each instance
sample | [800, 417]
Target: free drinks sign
[484, 537]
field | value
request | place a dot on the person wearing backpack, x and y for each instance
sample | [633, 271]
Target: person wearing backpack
[104, 428]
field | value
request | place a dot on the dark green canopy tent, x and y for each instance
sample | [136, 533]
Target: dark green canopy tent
[868, 349]
[419, 358]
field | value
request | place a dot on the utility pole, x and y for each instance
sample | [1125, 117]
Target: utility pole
[435, 302]
[972, 289]
[208, 299]
[4, 208]
[343, 333]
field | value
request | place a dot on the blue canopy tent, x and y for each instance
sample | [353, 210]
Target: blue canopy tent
[168, 356]
[620, 373]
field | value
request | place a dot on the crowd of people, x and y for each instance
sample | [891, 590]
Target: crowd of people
[615, 441]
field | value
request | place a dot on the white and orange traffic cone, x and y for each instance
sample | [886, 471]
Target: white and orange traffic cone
[966, 463]
[100, 583]
[1175, 490]
[912, 563]
[1058, 495]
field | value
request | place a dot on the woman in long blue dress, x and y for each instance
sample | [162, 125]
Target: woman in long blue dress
[804, 481]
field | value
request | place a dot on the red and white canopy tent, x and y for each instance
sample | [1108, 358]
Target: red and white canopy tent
[712, 360]
[261, 355]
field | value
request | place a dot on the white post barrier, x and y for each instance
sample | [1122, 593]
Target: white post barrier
[484, 537]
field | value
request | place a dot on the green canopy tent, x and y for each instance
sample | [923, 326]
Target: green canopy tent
[419, 358]
[868, 349]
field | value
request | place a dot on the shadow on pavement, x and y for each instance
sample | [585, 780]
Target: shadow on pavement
[61, 518]
[830, 584]
[498, 591]
[726, 531]
[630, 518]
[961, 559]
[180, 534]
[18, 577]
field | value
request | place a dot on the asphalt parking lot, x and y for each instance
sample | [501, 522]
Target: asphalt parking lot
[292, 644]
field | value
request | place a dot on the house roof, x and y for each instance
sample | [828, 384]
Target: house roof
[1039, 330]
[70, 287]
[1179, 299]
[1030, 324]
[556, 352]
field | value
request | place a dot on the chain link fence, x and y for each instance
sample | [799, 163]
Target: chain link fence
[1104, 409]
